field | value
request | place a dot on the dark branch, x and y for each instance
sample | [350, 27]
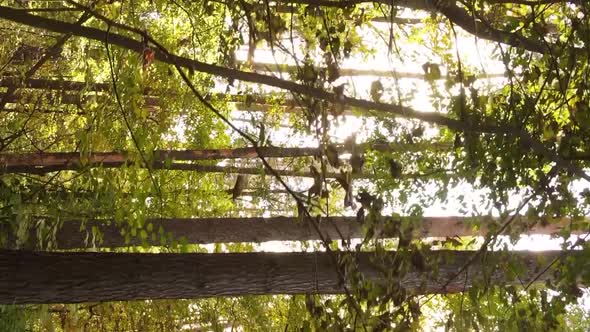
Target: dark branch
[454, 13]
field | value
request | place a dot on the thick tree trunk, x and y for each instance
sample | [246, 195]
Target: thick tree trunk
[73, 234]
[42, 277]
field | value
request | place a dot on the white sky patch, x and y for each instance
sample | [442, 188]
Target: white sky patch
[542, 242]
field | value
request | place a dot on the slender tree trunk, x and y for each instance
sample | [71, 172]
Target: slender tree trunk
[13, 82]
[60, 97]
[43, 277]
[274, 67]
[75, 160]
[257, 170]
[51, 98]
[74, 234]
[117, 159]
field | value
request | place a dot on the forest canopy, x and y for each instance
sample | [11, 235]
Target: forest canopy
[299, 165]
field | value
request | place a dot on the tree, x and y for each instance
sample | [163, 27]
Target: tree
[100, 97]
[87, 277]
[108, 233]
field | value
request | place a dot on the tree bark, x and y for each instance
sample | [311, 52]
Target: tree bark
[117, 159]
[158, 165]
[43, 277]
[61, 97]
[74, 234]
[46, 162]
[50, 84]
[172, 166]
[75, 160]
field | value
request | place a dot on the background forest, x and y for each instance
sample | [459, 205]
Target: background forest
[299, 165]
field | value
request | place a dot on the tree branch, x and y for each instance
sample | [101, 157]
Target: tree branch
[453, 12]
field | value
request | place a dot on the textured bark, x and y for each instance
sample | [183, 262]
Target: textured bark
[274, 67]
[74, 234]
[257, 170]
[117, 159]
[42, 277]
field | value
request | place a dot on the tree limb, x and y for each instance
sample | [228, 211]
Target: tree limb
[454, 13]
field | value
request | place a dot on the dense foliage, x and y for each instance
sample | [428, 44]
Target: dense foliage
[412, 108]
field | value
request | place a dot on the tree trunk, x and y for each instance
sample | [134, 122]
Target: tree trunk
[183, 167]
[75, 160]
[44, 277]
[73, 234]
[117, 159]
[60, 97]
[454, 14]
[274, 68]
[12, 82]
